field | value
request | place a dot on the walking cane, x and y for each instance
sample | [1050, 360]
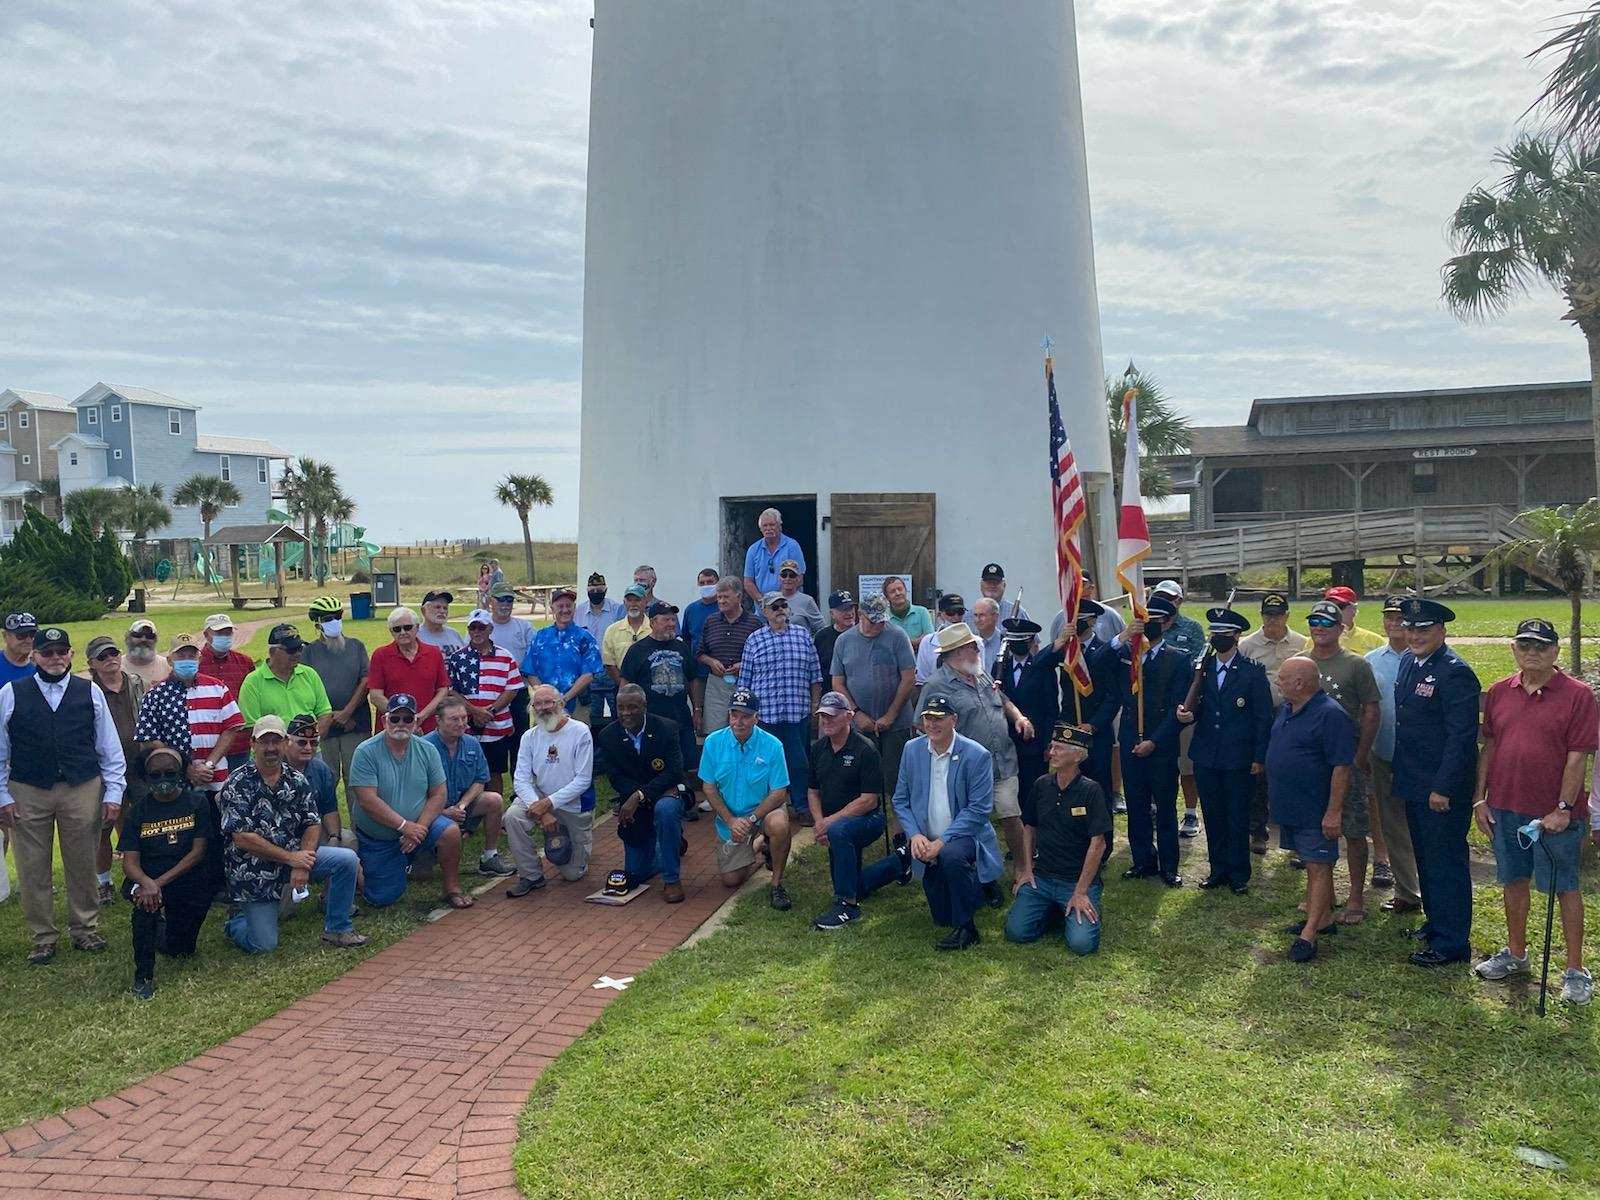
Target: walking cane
[1531, 831]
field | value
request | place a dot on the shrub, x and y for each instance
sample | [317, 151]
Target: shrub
[60, 576]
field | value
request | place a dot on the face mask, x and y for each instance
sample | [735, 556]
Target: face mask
[186, 669]
[50, 676]
[1152, 629]
[550, 722]
[166, 785]
[332, 628]
[1083, 627]
[221, 643]
[598, 597]
[1223, 642]
[708, 591]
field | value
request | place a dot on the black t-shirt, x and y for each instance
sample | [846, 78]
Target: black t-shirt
[663, 670]
[163, 832]
[825, 639]
[841, 777]
[1065, 822]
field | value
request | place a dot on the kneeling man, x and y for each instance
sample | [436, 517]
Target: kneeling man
[747, 784]
[1066, 835]
[554, 781]
[642, 757]
[943, 799]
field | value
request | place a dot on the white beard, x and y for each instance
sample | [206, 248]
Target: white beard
[551, 722]
[400, 735]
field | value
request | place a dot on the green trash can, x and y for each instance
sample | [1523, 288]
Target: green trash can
[361, 606]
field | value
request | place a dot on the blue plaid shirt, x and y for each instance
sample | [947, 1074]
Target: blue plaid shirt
[780, 669]
[558, 656]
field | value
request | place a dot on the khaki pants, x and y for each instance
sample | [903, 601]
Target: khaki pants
[1396, 832]
[5, 870]
[716, 703]
[520, 829]
[337, 751]
[75, 811]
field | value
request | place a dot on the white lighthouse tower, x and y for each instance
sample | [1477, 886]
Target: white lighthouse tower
[825, 239]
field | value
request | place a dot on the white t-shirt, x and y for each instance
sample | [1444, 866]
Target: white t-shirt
[561, 764]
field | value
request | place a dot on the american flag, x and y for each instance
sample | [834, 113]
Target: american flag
[1133, 532]
[1066, 490]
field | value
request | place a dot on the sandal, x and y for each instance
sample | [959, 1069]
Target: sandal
[1351, 916]
[458, 900]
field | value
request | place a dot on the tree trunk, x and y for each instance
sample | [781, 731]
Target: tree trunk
[1575, 636]
[322, 563]
[527, 547]
[305, 560]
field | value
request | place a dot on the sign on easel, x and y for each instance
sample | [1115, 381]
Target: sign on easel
[870, 585]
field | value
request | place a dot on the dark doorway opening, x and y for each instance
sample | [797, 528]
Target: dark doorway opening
[740, 515]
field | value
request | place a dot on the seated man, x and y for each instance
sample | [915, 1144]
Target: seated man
[398, 782]
[747, 783]
[301, 754]
[466, 778]
[274, 842]
[943, 799]
[639, 755]
[164, 833]
[1066, 835]
[555, 790]
[846, 797]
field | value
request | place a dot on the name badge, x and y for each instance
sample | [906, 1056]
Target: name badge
[1080, 812]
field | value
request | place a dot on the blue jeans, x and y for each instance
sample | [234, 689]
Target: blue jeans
[643, 860]
[384, 864]
[1035, 902]
[254, 929]
[793, 735]
[847, 838]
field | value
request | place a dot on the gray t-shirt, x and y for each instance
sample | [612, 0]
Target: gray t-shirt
[513, 637]
[871, 669]
[980, 714]
[342, 671]
[803, 610]
[446, 639]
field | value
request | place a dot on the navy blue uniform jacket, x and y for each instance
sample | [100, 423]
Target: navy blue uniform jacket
[1231, 728]
[1435, 727]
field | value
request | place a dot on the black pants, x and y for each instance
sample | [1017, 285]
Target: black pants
[1225, 798]
[519, 726]
[1153, 840]
[950, 883]
[184, 903]
[1258, 807]
[210, 868]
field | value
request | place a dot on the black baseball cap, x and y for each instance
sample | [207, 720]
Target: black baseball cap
[1274, 604]
[993, 572]
[596, 579]
[52, 636]
[841, 599]
[951, 602]
[743, 699]
[301, 723]
[1536, 629]
[441, 594]
[21, 623]
[660, 608]
[287, 636]
[937, 706]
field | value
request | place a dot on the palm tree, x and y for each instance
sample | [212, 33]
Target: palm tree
[1539, 225]
[95, 507]
[1161, 431]
[522, 492]
[210, 494]
[1565, 543]
[334, 510]
[311, 492]
[1572, 89]
[144, 510]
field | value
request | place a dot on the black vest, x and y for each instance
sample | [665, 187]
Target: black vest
[47, 747]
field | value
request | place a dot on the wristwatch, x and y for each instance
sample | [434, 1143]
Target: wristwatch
[1564, 806]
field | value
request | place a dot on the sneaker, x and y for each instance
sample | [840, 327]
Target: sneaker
[1577, 986]
[38, 956]
[144, 988]
[92, 942]
[779, 899]
[1258, 845]
[1502, 964]
[1190, 826]
[108, 895]
[523, 886]
[837, 917]
[1382, 876]
[348, 940]
[492, 864]
[1302, 950]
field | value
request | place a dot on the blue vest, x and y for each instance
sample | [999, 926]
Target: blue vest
[48, 747]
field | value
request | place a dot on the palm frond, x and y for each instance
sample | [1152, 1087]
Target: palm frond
[1482, 283]
[1571, 92]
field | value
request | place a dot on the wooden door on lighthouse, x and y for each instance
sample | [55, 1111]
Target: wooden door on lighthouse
[883, 533]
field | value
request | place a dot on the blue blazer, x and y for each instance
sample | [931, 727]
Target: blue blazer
[1231, 728]
[970, 781]
[1166, 683]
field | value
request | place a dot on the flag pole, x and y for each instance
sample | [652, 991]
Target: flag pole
[1138, 686]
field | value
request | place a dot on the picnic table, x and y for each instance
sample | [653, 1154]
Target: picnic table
[538, 598]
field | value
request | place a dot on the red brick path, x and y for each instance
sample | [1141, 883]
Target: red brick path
[327, 1099]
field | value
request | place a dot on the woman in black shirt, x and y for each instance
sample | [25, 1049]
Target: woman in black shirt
[163, 842]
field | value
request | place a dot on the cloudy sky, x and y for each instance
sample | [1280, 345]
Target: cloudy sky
[358, 227]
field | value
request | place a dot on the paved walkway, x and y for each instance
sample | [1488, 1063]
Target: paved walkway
[402, 1078]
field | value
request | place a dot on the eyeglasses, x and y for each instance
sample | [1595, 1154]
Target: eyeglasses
[307, 743]
[401, 718]
[1530, 646]
[401, 628]
[54, 652]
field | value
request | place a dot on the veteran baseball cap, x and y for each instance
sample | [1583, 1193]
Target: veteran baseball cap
[952, 603]
[660, 608]
[1393, 604]
[1535, 629]
[833, 703]
[937, 706]
[287, 637]
[1071, 735]
[1323, 612]
[744, 700]
[993, 573]
[841, 600]
[401, 702]
[52, 636]
[1274, 604]
[439, 594]
[184, 641]
[875, 608]
[21, 623]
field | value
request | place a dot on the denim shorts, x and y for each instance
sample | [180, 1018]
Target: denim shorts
[383, 863]
[1308, 843]
[1513, 863]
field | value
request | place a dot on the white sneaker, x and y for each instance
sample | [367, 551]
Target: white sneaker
[1501, 964]
[1577, 986]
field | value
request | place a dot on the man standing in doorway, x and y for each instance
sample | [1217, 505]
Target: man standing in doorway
[764, 557]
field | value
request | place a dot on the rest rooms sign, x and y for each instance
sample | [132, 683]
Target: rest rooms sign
[1446, 452]
[870, 585]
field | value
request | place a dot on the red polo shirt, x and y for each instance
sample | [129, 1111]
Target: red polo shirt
[389, 672]
[231, 667]
[1533, 734]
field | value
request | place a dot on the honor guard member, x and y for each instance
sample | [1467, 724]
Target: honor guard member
[1029, 678]
[1097, 710]
[1232, 721]
[1435, 775]
[1149, 746]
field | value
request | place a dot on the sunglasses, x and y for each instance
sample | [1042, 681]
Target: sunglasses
[54, 652]
[401, 628]
[1531, 646]
[107, 654]
[780, 606]
[788, 575]
[402, 718]
[1321, 623]
[307, 743]
[157, 778]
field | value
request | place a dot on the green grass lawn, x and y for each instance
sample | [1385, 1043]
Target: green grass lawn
[1188, 1058]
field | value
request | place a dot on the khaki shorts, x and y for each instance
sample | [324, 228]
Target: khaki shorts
[1355, 822]
[1006, 801]
[734, 856]
[1185, 764]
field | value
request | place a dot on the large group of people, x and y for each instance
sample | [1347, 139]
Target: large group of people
[956, 737]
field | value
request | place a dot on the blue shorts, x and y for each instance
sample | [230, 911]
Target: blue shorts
[1514, 863]
[1309, 843]
[383, 863]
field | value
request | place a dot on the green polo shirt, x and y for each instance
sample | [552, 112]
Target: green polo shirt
[263, 693]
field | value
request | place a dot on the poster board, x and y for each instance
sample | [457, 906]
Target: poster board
[867, 585]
